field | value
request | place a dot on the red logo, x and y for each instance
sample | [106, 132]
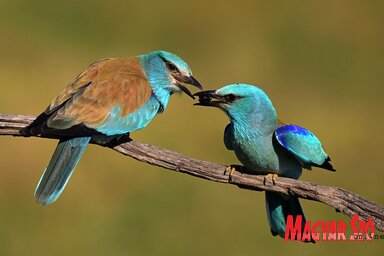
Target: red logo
[330, 230]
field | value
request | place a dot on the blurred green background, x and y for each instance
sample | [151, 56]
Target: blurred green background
[321, 62]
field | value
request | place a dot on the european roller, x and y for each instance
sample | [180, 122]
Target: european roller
[264, 145]
[108, 100]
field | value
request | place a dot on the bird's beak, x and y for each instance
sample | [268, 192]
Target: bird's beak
[209, 98]
[188, 80]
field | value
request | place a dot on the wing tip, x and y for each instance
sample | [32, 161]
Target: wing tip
[329, 165]
[326, 165]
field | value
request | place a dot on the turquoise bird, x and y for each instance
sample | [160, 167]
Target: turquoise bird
[264, 145]
[111, 98]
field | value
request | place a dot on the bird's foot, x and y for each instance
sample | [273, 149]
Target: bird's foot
[230, 170]
[111, 141]
[270, 176]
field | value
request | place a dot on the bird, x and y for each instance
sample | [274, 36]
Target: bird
[266, 146]
[107, 101]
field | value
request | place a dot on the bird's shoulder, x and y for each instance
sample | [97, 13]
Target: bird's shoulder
[228, 136]
[110, 74]
[96, 91]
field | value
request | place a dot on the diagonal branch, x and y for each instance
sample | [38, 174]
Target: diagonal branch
[338, 198]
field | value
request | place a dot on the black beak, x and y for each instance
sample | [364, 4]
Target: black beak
[206, 98]
[188, 80]
[192, 81]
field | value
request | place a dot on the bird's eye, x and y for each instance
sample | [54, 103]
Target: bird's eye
[230, 97]
[172, 66]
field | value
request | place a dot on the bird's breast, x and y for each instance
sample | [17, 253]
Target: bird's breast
[258, 154]
[255, 153]
[118, 124]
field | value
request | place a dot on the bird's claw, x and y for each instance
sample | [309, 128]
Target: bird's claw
[230, 169]
[270, 176]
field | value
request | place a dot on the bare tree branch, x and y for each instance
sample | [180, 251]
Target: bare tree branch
[338, 198]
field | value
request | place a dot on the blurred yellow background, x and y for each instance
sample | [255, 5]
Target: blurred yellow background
[321, 62]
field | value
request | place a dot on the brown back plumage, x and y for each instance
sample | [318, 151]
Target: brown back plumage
[97, 90]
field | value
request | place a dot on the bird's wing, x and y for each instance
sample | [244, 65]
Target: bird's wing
[96, 91]
[84, 79]
[228, 136]
[303, 145]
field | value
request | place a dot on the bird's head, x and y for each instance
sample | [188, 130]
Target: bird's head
[238, 101]
[167, 71]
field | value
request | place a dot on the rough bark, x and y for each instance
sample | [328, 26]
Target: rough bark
[338, 198]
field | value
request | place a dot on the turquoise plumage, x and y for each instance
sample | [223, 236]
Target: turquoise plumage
[266, 146]
[303, 145]
[111, 98]
[60, 168]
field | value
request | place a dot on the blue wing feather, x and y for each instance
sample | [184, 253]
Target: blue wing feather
[302, 144]
[228, 136]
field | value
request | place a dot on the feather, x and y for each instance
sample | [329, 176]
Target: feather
[303, 145]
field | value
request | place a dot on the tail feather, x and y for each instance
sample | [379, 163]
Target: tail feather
[60, 168]
[278, 208]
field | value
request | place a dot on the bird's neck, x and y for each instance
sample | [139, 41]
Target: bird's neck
[158, 79]
[162, 96]
[259, 119]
